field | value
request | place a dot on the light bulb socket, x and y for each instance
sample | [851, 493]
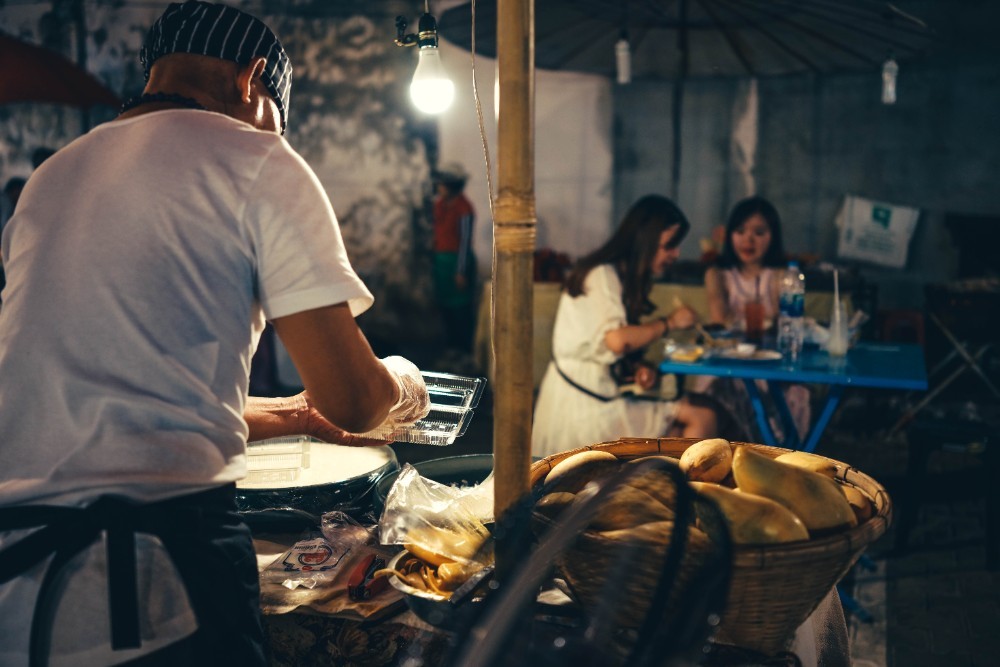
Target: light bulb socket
[427, 35]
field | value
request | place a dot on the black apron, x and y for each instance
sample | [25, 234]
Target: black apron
[206, 539]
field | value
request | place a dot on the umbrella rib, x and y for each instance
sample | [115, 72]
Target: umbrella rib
[584, 44]
[833, 10]
[682, 27]
[812, 32]
[728, 35]
[820, 13]
[750, 22]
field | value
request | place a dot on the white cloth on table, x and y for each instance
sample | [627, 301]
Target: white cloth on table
[141, 264]
[567, 418]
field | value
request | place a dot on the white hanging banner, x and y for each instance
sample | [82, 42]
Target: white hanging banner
[876, 232]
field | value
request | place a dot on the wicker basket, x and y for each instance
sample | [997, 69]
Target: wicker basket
[773, 588]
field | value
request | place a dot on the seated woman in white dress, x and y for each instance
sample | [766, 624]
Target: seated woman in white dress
[598, 324]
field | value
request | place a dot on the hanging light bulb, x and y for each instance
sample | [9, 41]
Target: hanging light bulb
[431, 90]
[623, 59]
[889, 72]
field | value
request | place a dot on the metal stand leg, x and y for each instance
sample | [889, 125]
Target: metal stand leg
[761, 412]
[832, 401]
[777, 391]
[970, 361]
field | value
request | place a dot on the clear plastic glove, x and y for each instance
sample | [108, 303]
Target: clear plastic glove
[414, 402]
[314, 424]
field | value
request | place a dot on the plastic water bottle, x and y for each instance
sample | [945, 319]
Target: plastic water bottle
[791, 308]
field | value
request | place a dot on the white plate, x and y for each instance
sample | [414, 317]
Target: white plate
[755, 355]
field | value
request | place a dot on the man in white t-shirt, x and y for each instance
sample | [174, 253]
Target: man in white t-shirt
[142, 263]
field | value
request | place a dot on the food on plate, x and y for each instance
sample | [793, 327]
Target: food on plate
[441, 545]
[707, 460]
[814, 462]
[439, 579]
[754, 519]
[574, 472]
[815, 498]
[687, 354]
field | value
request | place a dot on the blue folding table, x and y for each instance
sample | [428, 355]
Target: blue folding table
[886, 366]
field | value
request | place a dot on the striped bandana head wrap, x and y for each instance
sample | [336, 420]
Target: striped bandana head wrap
[224, 32]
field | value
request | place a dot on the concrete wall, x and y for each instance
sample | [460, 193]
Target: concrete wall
[350, 118]
[820, 138]
[598, 146]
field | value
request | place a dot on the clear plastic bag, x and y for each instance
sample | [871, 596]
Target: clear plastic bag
[318, 560]
[448, 521]
[309, 563]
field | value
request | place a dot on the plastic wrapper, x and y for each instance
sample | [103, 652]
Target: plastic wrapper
[317, 560]
[444, 520]
[309, 563]
[341, 528]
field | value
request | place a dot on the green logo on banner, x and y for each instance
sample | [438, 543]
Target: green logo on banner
[881, 215]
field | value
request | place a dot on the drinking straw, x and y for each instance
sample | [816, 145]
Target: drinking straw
[836, 294]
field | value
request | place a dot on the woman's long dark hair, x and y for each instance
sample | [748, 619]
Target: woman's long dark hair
[631, 250]
[743, 211]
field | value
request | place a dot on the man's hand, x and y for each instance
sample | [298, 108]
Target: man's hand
[317, 426]
[296, 415]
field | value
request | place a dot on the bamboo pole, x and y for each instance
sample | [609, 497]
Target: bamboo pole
[514, 244]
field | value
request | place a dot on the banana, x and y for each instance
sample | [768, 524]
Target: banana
[861, 503]
[657, 532]
[553, 504]
[754, 519]
[816, 499]
[663, 457]
[814, 462]
[572, 473]
[707, 460]
[629, 506]
[657, 484]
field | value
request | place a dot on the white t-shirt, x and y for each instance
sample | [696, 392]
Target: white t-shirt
[565, 417]
[141, 264]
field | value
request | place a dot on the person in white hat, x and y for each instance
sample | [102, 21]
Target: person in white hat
[142, 262]
[454, 260]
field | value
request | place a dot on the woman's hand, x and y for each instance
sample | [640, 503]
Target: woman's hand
[682, 318]
[646, 377]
